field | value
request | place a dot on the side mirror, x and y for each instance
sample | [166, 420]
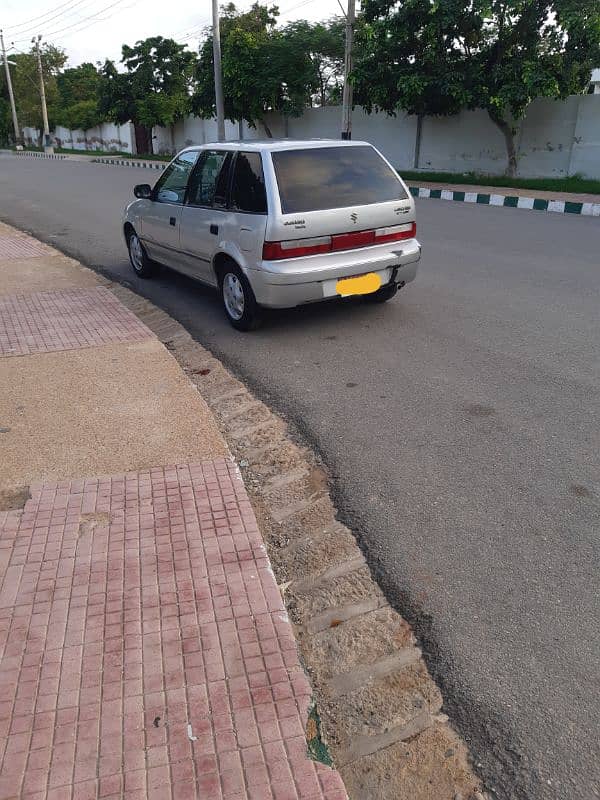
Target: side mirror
[142, 191]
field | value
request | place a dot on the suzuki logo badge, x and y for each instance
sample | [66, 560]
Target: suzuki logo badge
[354, 217]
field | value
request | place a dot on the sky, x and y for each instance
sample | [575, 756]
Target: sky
[92, 30]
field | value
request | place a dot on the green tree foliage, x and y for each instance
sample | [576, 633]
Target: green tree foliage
[116, 102]
[25, 80]
[324, 43]
[6, 128]
[78, 83]
[155, 87]
[437, 57]
[263, 70]
[81, 115]
[77, 105]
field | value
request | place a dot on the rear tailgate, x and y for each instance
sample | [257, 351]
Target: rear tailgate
[334, 198]
[335, 221]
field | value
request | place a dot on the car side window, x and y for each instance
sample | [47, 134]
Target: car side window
[171, 186]
[209, 183]
[248, 188]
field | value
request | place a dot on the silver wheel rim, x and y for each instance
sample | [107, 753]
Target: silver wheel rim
[136, 252]
[233, 296]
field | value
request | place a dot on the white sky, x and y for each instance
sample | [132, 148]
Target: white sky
[92, 30]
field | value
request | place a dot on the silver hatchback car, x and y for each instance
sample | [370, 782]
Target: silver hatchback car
[277, 224]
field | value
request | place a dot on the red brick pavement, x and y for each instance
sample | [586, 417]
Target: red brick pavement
[41, 322]
[144, 647]
[22, 247]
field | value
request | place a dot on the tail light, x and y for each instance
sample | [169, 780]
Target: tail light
[293, 248]
[272, 251]
[396, 233]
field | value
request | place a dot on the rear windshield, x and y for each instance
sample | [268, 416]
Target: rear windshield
[319, 178]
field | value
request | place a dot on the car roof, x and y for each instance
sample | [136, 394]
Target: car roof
[259, 145]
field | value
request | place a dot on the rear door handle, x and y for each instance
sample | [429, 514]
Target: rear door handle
[172, 221]
[214, 229]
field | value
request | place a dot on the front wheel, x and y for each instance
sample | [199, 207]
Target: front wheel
[142, 265]
[239, 302]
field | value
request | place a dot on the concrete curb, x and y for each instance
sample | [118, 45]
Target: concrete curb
[377, 709]
[35, 154]
[119, 162]
[509, 201]
[126, 162]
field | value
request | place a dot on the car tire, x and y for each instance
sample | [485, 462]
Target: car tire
[239, 301]
[142, 265]
[383, 295]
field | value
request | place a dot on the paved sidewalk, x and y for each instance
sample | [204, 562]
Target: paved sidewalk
[145, 651]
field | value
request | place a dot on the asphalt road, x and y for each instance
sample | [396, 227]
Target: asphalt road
[461, 424]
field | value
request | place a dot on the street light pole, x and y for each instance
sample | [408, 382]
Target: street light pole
[347, 95]
[47, 145]
[11, 95]
[218, 72]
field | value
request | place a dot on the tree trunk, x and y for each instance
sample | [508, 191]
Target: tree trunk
[509, 139]
[418, 140]
[266, 127]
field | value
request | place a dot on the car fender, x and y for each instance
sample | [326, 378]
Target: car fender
[133, 215]
[235, 253]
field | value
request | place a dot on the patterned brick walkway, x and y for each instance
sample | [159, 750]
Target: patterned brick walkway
[144, 647]
[22, 247]
[41, 322]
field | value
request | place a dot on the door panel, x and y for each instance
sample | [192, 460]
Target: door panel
[161, 232]
[249, 206]
[203, 216]
[198, 244]
[162, 218]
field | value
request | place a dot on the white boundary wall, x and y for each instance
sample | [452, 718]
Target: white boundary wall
[120, 138]
[555, 139]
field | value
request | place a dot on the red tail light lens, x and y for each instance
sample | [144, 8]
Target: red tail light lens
[348, 241]
[272, 251]
[396, 233]
[293, 248]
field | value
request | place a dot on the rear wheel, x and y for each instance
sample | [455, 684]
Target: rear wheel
[143, 266]
[239, 302]
[383, 295]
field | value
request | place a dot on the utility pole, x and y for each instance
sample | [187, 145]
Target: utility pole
[13, 108]
[47, 145]
[218, 72]
[347, 96]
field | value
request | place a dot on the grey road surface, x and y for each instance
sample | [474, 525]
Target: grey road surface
[461, 425]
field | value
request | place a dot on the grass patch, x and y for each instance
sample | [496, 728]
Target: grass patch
[574, 183]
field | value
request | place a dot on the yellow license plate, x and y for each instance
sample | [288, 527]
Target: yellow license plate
[362, 284]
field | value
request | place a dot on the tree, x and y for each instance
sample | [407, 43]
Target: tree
[26, 83]
[437, 57]
[154, 90]
[533, 49]
[82, 115]
[77, 104]
[115, 95]
[78, 83]
[263, 70]
[324, 43]
[6, 128]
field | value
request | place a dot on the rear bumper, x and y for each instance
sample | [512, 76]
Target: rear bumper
[297, 281]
